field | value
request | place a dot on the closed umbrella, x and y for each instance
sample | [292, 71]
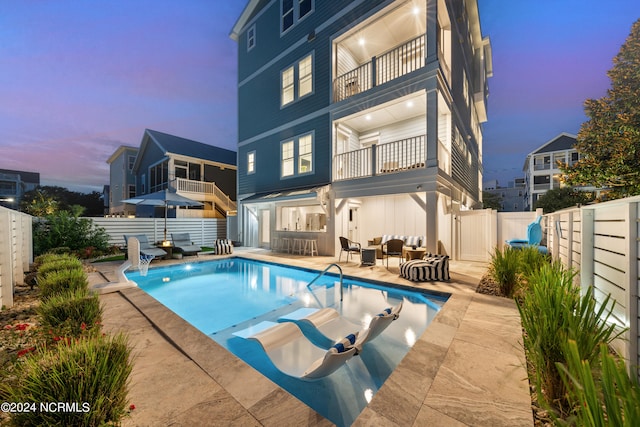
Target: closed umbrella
[164, 198]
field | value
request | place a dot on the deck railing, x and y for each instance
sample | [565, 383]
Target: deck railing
[201, 187]
[392, 157]
[397, 62]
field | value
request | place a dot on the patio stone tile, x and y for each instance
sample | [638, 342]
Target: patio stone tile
[430, 417]
[480, 386]
[280, 408]
[370, 418]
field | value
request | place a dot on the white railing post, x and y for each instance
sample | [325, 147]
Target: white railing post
[631, 277]
[586, 249]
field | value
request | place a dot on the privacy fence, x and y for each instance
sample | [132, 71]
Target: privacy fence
[203, 231]
[16, 252]
[601, 242]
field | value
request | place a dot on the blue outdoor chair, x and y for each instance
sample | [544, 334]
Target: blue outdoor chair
[534, 237]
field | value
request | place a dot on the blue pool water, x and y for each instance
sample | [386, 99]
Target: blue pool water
[226, 296]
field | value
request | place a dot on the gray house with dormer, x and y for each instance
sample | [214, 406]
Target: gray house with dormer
[359, 118]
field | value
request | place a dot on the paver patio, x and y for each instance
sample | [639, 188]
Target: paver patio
[468, 367]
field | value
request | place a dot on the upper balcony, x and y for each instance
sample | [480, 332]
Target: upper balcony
[386, 47]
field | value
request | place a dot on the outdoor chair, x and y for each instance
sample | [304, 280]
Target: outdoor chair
[393, 248]
[534, 237]
[223, 246]
[348, 246]
[325, 326]
[146, 248]
[183, 244]
[294, 355]
[431, 267]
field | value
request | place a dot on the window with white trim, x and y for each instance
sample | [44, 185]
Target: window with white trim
[251, 162]
[251, 37]
[297, 80]
[305, 154]
[287, 158]
[293, 11]
[297, 156]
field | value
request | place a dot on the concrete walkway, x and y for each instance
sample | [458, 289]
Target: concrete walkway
[468, 367]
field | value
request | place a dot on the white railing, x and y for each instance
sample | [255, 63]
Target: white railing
[200, 187]
[393, 157]
[397, 62]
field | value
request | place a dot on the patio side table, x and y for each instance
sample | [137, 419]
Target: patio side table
[368, 256]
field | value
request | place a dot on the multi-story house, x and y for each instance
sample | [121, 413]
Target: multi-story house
[542, 166]
[193, 169]
[359, 118]
[13, 185]
[122, 181]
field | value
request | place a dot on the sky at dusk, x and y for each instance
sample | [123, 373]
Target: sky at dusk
[80, 78]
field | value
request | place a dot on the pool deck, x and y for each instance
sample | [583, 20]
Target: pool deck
[467, 368]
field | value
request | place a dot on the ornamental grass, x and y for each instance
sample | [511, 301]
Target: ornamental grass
[88, 375]
[70, 313]
[59, 281]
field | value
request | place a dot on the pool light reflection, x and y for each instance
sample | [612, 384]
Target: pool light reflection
[410, 337]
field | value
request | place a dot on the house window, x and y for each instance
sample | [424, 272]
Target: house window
[251, 162]
[287, 158]
[302, 73]
[293, 11]
[297, 156]
[305, 76]
[287, 86]
[131, 161]
[132, 191]
[251, 37]
[305, 154]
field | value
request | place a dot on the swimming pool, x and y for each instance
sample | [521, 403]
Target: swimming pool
[223, 297]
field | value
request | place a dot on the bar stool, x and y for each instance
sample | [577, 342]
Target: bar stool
[310, 247]
[285, 245]
[298, 246]
[274, 244]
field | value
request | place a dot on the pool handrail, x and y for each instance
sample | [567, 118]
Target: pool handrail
[322, 274]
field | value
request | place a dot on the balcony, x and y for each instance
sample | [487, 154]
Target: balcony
[379, 159]
[381, 69]
[200, 190]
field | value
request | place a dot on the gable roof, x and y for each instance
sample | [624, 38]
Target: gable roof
[564, 141]
[121, 149]
[171, 144]
[250, 10]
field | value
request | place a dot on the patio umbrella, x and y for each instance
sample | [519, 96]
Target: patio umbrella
[164, 198]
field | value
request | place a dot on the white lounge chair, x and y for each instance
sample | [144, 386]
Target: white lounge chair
[328, 323]
[182, 242]
[293, 354]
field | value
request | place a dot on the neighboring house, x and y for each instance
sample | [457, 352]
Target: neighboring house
[122, 181]
[195, 170]
[542, 166]
[359, 118]
[512, 197]
[13, 185]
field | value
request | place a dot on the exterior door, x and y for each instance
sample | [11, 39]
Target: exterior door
[265, 228]
[353, 232]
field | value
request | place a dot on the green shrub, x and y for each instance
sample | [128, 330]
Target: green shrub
[67, 229]
[70, 313]
[91, 372]
[49, 257]
[57, 281]
[531, 259]
[552, 312]
[602, 393]
[504, 269]
[59, 264]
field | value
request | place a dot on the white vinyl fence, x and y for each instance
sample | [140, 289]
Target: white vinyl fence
[601, 242]
[16, 251]
[203, 231]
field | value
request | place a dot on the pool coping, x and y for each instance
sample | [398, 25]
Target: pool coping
[427, 385]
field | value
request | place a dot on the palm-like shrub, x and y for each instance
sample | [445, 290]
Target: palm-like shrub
[531, 259]
[94, 370]
[602, 393]
[504, 269]
[553, 312]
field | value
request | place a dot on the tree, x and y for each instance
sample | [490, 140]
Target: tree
[491, 201]
[609, 142]
[560, 198]
[38, 202]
